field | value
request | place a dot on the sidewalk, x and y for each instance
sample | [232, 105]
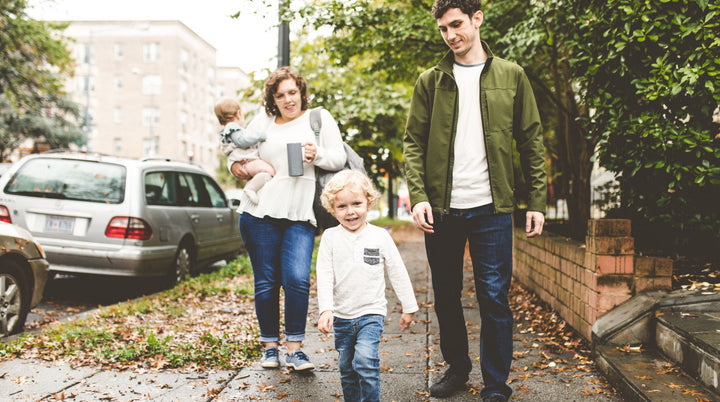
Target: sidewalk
[410, 362]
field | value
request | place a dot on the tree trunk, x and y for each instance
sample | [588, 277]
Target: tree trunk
[391, 198]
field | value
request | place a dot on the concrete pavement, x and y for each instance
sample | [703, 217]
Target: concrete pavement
[410, 362]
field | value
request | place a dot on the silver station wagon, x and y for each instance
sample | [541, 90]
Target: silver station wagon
[96, 214]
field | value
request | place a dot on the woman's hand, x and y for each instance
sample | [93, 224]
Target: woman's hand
[325, 323]
[310, 152]
[239, 171]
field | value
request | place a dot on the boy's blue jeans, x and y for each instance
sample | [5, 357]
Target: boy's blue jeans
[357, 341]
[281, 253]
[490, 242]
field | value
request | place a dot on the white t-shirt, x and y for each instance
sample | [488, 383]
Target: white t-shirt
[471, 179]
[351, 273]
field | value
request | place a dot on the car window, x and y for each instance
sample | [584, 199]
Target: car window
[217, 197]
[160, 188]
[70, 179]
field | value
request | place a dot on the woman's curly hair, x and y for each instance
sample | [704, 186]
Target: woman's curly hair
[344, 179]
[271, 86]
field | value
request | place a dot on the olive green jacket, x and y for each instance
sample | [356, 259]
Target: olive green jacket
[508, 112]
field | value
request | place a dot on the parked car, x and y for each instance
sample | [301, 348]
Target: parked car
[98, 214]
[23, 275]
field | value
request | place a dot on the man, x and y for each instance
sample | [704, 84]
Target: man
[464, 115]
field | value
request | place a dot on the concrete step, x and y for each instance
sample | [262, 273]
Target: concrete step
[692, 340]
[661, 347]
[646, 375]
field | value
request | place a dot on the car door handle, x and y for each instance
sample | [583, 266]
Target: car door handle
[195, 218]
[220, 217]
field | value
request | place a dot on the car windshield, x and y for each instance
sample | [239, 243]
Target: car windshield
[70, 179]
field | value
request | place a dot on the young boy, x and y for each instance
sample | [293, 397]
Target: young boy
[242, 145]
[351, 283]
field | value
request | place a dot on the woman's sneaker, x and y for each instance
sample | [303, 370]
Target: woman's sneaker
[271, 358]
[298, 361]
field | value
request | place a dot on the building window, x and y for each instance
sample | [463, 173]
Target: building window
[183, 122]
[151, 52]
[148, 147]
[117, 146]
[85, 83]
[118, 83]
[184, 58]
[117, 115]
[151, 116]
[118, 51]
[183, 91]
[152, 84]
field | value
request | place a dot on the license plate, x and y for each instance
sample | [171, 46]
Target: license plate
[59, 224]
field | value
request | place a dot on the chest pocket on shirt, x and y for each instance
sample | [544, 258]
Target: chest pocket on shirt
[371, 256]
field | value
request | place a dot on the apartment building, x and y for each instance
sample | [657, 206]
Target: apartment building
[148, 89]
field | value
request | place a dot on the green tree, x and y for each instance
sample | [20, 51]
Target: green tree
[32, 69]
[650, 69]
[540, 37]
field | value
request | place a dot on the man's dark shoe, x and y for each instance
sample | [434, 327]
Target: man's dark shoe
[494, 398]
[450, 382]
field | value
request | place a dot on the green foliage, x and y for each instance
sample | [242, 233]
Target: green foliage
[33, 67]
[650, 72]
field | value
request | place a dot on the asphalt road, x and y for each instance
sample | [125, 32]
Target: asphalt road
[69, 295]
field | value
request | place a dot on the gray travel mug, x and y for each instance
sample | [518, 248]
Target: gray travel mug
[295, 159]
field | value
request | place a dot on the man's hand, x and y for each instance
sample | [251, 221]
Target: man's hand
[239, 171]
[325, 323]
[534, 222]
[423, 216]
[405, 320]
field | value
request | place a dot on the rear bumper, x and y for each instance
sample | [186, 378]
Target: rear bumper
[40, 270]
[127, 261]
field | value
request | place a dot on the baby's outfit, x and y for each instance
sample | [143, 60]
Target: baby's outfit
[241, 144]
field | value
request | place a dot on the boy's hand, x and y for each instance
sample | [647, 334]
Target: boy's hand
[325, 323]
[405, 320]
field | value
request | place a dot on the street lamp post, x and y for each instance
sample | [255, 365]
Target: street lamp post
[283, 34]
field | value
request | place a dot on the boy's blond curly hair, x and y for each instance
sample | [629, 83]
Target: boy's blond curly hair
[344, 179]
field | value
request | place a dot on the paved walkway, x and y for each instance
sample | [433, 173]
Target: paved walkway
[410, 361]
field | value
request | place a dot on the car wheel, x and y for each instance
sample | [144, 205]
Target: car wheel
[182, 267]
[14, 298]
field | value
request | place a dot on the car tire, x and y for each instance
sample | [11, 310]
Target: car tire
[14, 298]
[182, 265]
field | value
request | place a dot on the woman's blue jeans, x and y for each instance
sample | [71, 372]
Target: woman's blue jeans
[357, 341]
[489, 236]
[281, 254]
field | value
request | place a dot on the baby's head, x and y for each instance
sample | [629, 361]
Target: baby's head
[227, 110]
[348, 196]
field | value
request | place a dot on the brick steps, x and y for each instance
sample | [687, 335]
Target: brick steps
[661, 346]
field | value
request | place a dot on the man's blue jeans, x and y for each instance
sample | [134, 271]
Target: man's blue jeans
[490, 242]
[281, 253]
[357, 341]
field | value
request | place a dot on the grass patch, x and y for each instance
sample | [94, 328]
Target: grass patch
[386, 222]
[205, 321]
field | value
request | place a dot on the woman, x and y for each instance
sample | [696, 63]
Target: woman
[279, 231]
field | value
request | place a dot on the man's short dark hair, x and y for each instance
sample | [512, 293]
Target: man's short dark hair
[469, 7]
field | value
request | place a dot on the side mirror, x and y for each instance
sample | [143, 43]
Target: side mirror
[234, 203]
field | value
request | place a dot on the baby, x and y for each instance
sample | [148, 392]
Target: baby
[351, 264]
[243, 146]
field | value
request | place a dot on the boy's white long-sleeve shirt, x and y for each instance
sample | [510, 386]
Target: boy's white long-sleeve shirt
[351, 273]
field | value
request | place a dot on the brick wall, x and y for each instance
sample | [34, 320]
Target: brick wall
[582, 281]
